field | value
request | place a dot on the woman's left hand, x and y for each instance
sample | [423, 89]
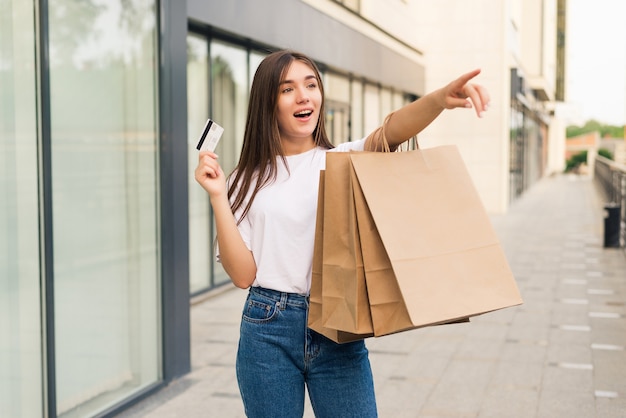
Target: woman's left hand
[462, 93]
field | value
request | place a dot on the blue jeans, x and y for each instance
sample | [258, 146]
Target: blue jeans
[279, 356]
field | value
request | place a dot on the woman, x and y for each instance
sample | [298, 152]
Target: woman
[265, 218]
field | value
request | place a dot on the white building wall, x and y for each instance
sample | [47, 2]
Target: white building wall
[548, 70]
[451, 37]
[539, 43]
[392, 16]
[556, 146]
[538, 63]
[397, 17]
[458, 37]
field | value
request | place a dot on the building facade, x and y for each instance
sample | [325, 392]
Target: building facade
[104, 236]
[514, 44]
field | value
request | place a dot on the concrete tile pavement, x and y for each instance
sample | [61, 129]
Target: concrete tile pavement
[561, 354]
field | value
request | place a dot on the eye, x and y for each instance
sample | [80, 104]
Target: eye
[286, 90]
[312, 85]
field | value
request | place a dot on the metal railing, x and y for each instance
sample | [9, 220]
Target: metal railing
[611, 177]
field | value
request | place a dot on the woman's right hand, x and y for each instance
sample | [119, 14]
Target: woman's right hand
[210, 175]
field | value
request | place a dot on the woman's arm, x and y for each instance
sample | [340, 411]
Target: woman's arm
[236, 258]
[411, 119]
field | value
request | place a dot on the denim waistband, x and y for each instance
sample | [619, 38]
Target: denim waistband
[283, 298]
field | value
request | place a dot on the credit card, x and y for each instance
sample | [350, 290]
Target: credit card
[210, 136]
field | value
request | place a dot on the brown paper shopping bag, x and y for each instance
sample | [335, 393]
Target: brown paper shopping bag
[345, 305]
[315, 298]
[387, 307]
[388, 310]
[446, 259]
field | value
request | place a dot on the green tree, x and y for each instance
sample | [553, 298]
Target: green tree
[595, 126]
[605, 153]
[575, 161]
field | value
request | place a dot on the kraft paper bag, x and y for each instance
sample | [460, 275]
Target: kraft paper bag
[345, 305]
[315, 297]
[388, 310]
[447, 261]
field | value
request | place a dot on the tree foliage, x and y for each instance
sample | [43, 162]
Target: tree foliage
[595, 126]
[576, 161]
[605, 153]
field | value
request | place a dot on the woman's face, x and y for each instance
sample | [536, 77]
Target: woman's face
[299, 103]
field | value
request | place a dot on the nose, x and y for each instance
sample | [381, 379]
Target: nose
[303, 96]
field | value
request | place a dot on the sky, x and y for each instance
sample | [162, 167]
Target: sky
[596, 61]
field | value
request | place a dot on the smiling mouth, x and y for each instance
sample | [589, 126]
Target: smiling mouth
[303, 114]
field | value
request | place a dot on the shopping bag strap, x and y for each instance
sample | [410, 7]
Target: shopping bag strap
[377, 140]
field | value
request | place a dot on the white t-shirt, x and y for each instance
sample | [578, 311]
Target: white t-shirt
[279, 228]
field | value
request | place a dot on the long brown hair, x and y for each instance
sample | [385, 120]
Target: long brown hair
[257, 164]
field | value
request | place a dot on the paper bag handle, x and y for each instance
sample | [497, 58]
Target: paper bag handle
[378, 140]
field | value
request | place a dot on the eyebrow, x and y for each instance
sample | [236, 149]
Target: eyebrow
[308, 77]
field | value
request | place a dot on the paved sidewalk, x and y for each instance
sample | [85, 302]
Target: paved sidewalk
[561, 354]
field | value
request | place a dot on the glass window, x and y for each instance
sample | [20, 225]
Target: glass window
[336, 87]
[224, 100]
[356, 113]
[20, 292]
[229, 82]
[337, 121]
[255, 61]
[385, 103]
[197, 114]
[103, 98]
[337, 104]
[372, 110]
[229, 72]
[217, 87]
[397, 101]
[516, 151]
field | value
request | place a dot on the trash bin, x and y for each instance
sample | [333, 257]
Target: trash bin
[611, 225]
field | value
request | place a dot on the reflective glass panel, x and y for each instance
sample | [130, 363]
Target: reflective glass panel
[337, 104]
[229, 82]
[255, 61]
[356, 114]
[197, 114]
[20, 291]
[371, 109]
[103, 98]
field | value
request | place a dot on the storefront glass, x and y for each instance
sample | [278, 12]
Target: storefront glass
[197, 114]
[21, 354]
[356, 113]
[103, 101]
